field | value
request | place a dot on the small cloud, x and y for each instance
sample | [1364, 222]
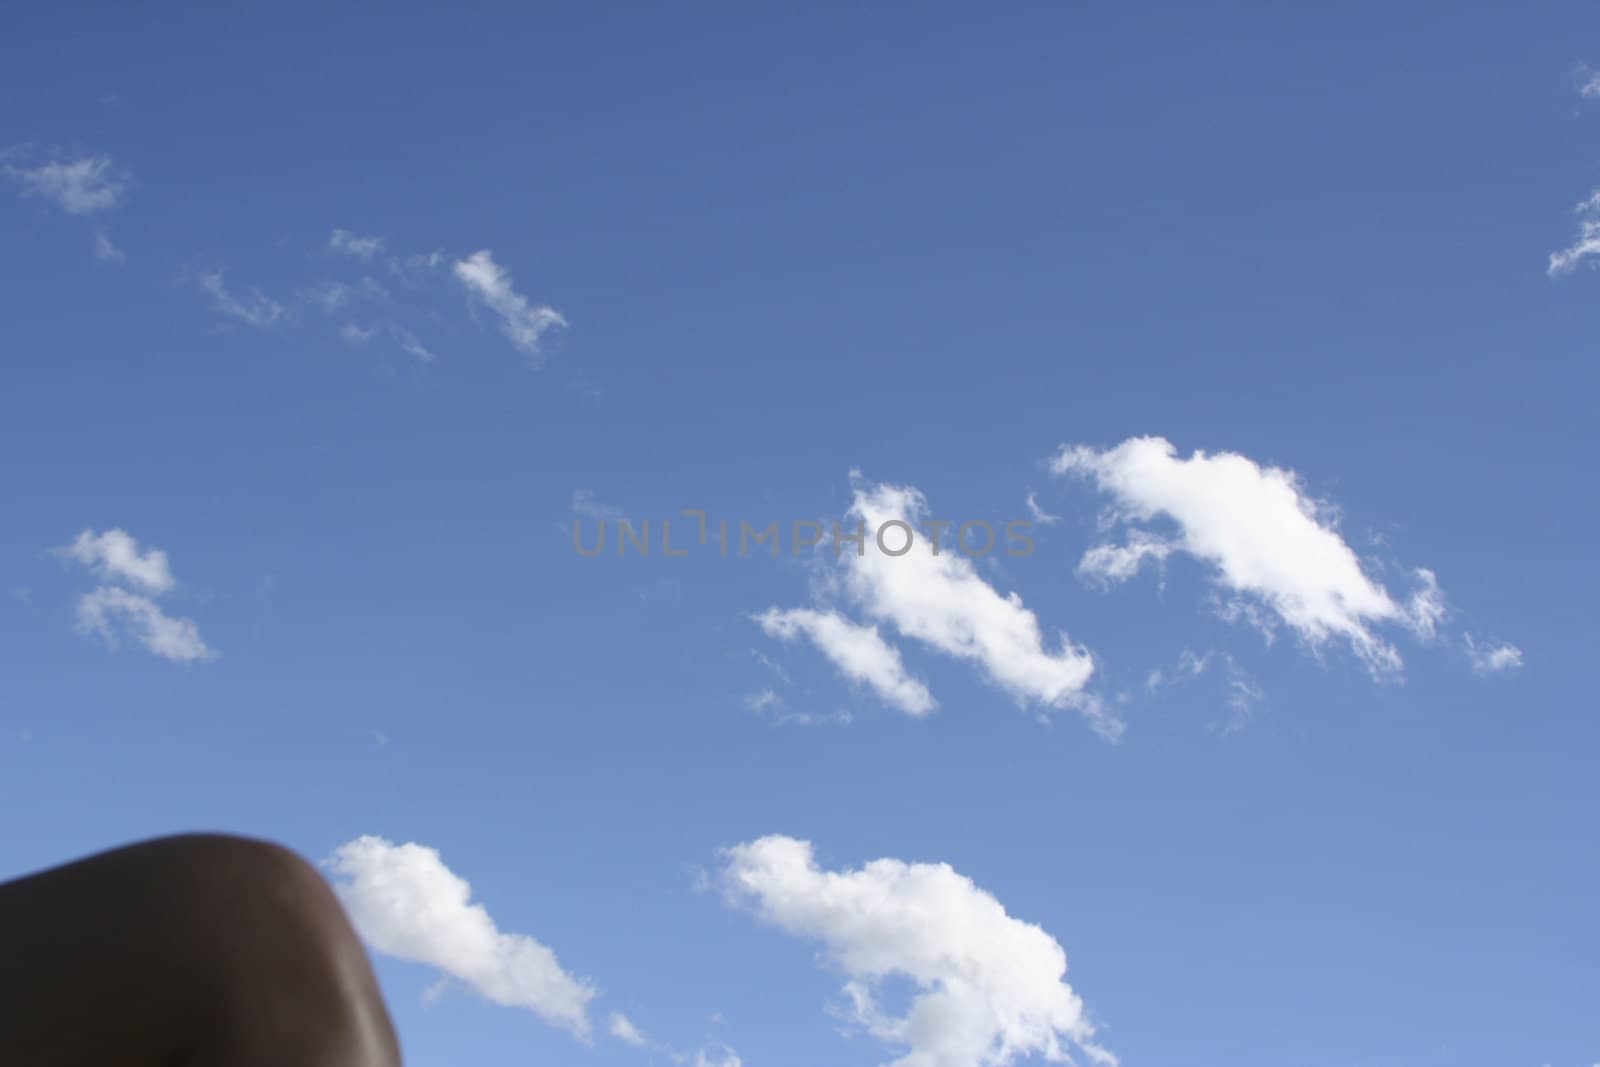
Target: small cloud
[1038, 514]
[622, 1028]
[717, 1056]
[115, 555]
[80, 187]
[252, 308]
[346, 243]
[105, 251]
[524, 323]
[406, 903]
[859, 652]
[1493, 658]
[352, 334]
[111, 610]
[586, 504]
[1585, 244]
[410, 345]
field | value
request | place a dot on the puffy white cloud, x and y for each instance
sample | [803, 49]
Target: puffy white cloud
[1271, 545]
[989, 988]
[940, 600]
[523, 322]
[406, 903]
[110, 610]
[1587, 241]
[858, 651]
[349, 244]
[80, 187]
[252, 308]
[115, 555]
[1493, 658]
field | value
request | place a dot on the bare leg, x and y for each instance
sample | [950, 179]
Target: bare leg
[198, 951]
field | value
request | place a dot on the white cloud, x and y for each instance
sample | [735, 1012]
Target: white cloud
[253, 308]
[82, 187]
[352, 334]
[990, 988]
[1271, 544]
[1039, 514]
[940, 600]
[585, 503]
[349, 244]
[111, 609]
[1109, 564]
[1241, 695]
[1585, 244]
[410, 345]
[115, 555]
[1492, 658]
[105, 251]
[721, 1056]
[1589, 88]
[1426, 608]
[523, 323]
[406, 903]
[859, 652]
[622, 1028]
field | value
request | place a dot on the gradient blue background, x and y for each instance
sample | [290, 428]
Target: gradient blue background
[932, 242]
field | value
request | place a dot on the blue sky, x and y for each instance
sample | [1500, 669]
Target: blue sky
[324, 326]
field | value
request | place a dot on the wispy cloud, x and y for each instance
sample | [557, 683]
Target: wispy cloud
[990, 989]
[252, 308]
[105, 251]
[115, 555]
[586, 504]
[622, 1028]
[1585, 244]
[1271, 545]
[110, 611]
[1493, 658]
[523, 322]
[859, 652]
[81, 186]
[406, 903]
[1038, 514]
[349, 244]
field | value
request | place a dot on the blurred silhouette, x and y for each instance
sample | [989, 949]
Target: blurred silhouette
[192, 951]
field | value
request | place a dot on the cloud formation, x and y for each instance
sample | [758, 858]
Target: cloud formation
[1270, 545]
[252, 308]
[82, 186]
[111, 610]
[940, 600]
[859, 652]
[1587, 241]
[346, 243]
[115, 555]
[989, 988]
[1493, 658]
[522, 321]
[406, 903]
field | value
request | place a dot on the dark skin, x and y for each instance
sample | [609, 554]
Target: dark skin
[193, 951]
